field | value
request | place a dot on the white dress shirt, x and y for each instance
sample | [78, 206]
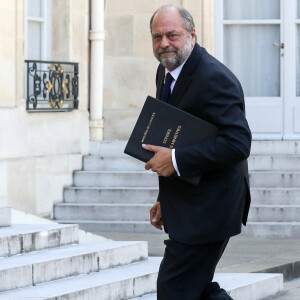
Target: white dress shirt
[175, 74]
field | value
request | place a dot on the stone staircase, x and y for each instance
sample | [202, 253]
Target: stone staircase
[113, 192]
[274, 168]
[48, 262]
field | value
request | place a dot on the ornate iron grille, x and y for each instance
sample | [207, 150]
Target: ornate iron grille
[51, 86]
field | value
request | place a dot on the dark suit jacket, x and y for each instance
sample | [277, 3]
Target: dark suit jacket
[216, 208]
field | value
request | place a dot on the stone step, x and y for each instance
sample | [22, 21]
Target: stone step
[44, 266]
[272, 229]
[274, 147]
[101, 163]
[122, 282]
[110, 195]
[152, 296]
[274, 213]
[243, 286]
[140, 212]
[135, 218]
[273, 162]
[115, 179]
[116, 148]
[17, 239]
[275, 196]
[256, 163]
[114, 226]
[108, 148]
[102, 212]
[266, 179]
[274, 179]
[5, 213]
[291, 291]
[149, 195]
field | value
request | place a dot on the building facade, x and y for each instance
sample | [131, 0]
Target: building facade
[258, 40]
[39, 150]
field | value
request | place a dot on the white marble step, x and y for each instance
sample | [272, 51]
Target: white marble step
[243, 286]
[149, 195]
[272, 229]
[123, 282]
[117, 178]
[44, 266]
[274, 162]
[110, 195]
[108, 148]
[276, 196]
[274, 179]
[274, 213]
[116, 148]
[273, 147]
[21, 238]
[140, 212]
[256, 163]
[263, 179]
[5, 213]
[100, 163]
[103, 211]
[114, 226]
[152, 296]
[259, 229]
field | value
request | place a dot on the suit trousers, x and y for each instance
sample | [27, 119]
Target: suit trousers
[186, 271]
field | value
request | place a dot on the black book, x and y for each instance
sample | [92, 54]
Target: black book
[161, 124]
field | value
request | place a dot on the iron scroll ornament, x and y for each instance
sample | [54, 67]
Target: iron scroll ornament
[52, 86]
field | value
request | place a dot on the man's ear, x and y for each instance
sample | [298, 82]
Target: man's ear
[193, 37]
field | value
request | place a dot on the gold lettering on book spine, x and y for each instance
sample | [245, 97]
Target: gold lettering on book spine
[167, 136]
[175, 136]
[148, 127]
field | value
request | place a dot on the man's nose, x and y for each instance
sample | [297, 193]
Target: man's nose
[164, 42]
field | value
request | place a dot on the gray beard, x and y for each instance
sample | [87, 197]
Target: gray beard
[180, 55]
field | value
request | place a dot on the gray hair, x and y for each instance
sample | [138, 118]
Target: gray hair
[188, 21]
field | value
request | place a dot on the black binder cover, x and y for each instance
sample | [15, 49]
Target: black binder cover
[164, 125]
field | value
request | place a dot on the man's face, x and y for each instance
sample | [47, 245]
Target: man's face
[171, 44]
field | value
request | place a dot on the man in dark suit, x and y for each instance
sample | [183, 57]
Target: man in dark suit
[199, 219]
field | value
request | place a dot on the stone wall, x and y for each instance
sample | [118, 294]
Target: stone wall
[39, 151]
[129, 65]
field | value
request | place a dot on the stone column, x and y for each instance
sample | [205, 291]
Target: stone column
[97, 37]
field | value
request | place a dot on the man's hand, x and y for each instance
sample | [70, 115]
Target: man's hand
[155, 216]
[161, 162]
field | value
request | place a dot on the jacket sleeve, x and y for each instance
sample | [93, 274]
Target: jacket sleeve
[222, 104]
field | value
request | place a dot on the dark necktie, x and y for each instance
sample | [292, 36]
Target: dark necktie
[167, 88]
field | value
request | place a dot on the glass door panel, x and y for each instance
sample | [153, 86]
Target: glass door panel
[250, 54]
[34, 9]
[298, 50]
[34, 40]
[251, 9]
[298, 62]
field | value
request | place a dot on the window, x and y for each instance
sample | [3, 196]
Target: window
[37, 36]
